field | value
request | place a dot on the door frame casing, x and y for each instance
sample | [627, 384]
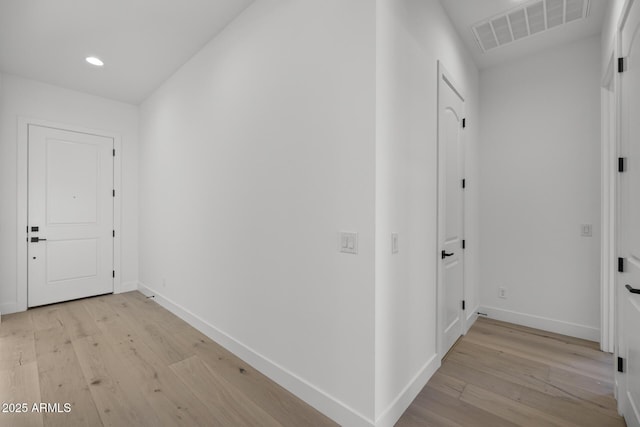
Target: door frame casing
[22, 201]
[443, 73]
[619, 378]
[609, 198]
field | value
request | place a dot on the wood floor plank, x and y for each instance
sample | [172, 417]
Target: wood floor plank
[231, 406]
[16, 324]
[581, 358]
[458, 411]
[46, 317]
[417, 416]
[447, 384]
[19, 381]
[124, 360]
[574, 363]
[173, 402]
[511, 410]
[115, 391]
[522, 376]
[564, 406]
[16, 350]
[76, 320]
[535, 375]
[562, 376]
[157, 334]
[275, 400]
[413, 418]
[557, 343]
[62, 381]
[498, 325]
[20, 384]
[500, 364]
[100, 310]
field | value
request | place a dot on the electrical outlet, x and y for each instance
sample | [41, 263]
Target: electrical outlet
[502, 292]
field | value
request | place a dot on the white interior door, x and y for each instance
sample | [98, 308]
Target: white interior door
[628, 302]
[70, 219]
[450, 213]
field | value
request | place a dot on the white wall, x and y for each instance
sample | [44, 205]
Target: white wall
[20, 97]
[412, 36]
[253, 156]
[540, 174]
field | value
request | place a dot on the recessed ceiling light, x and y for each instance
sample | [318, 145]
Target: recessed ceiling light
[94, 61]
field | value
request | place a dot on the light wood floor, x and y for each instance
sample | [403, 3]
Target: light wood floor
[122, 360]
[501, 374]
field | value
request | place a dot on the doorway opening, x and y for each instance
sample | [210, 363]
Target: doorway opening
[451, 185]
[68, 228]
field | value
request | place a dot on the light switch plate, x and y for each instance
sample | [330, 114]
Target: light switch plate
[586, 230]
[394, 243]
[348, 242]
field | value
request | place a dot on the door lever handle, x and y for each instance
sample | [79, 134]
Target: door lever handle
[632, 290]
[444, 254]
[37, 239]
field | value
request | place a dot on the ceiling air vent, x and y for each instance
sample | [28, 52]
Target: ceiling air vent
[531, 18]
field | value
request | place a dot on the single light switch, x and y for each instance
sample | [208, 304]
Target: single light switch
[394, 243]
[586, 230]
[348, 242]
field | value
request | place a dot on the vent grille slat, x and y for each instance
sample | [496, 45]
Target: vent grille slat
[575, 10]
[555, 13]
[501, 28]
[518, 24]
[529, 19]
[535, 13]
[486, 36]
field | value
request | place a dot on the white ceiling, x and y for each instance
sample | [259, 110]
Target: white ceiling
[465, 13]
[142, 42]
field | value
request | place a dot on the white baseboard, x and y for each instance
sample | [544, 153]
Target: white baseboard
[394, 411]
[306, 391]
[544, 323]
[471, 319]
[126, 287]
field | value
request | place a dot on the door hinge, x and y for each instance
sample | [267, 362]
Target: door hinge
[464, 244]
[464, 123]
[114, 152]
[621, 65]
[114, 193]
[620, 364]
[622, 164]
[620, 265]
[463, 305]
[464, 183]
[113, 273]
[114, 233]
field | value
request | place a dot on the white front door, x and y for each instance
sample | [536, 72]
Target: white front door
[450, 212]
[70, 220]
[628, 301]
